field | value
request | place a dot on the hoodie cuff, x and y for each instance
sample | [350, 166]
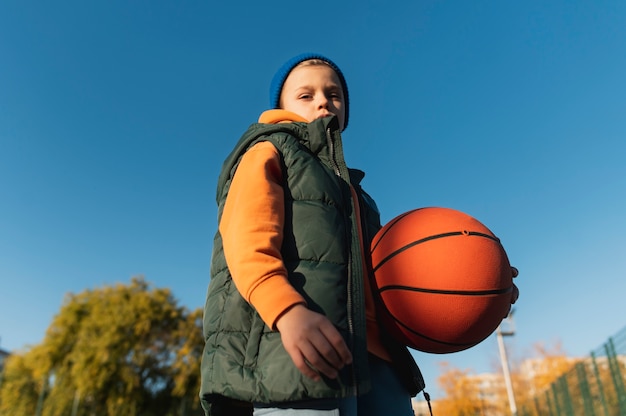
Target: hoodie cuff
[273, 297]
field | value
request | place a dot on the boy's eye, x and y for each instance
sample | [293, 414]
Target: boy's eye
[305, 96]
[335, 94]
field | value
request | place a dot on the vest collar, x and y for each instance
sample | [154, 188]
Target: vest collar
[317, 129]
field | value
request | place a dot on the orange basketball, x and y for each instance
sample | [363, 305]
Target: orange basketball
[443, 277]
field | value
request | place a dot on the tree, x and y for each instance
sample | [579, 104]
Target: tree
[123, 349]
[552, 362]
[462, 394]
[20, 390]
[186, 366]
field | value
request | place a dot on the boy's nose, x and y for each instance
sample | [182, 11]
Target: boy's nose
[322, 101]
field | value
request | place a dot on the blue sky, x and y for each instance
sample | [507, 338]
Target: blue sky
[115, 118]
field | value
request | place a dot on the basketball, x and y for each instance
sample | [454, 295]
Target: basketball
[443, 278]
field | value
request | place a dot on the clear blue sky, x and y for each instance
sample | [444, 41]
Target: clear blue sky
[115, 118]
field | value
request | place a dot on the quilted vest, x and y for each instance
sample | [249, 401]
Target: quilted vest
[243, 358]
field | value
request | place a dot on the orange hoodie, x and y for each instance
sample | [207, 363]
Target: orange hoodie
[252, 227]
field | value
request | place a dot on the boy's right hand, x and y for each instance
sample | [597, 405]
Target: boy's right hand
[313, 342]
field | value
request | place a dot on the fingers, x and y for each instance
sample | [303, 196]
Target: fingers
[303, 365]
[514, 297]
[325, 350]
[313, 343]
[515, 291]
[338, 345]
[515, 294]
[329, 352]
[320, 357]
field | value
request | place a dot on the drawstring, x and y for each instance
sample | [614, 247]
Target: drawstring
[427, 397]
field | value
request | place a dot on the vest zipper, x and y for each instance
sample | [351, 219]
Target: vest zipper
[331, 146]
[350, 303]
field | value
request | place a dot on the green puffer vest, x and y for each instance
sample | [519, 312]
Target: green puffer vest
[243, 358]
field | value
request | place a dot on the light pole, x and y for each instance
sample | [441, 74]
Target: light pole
[503, 359]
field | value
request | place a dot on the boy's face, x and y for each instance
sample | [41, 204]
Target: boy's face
[313, 91]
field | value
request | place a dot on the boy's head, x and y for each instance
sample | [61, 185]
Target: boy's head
[311, 86]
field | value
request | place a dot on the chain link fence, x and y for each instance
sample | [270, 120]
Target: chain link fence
[594, 386]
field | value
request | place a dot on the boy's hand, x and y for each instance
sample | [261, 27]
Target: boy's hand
[313, 342]
[515, 293]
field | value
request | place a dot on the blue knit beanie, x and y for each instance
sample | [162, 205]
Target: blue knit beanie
[283, 72]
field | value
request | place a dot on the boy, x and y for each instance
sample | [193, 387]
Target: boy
[290, 321]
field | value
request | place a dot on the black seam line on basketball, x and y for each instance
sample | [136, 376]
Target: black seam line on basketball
[448, 292]
[395, 221]
[435, 237]
[419, 334]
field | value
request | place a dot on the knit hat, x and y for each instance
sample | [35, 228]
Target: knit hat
[281, 75]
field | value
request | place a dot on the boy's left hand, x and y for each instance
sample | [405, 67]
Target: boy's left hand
[515, 292]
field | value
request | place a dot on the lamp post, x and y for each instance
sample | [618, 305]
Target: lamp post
[500, 334]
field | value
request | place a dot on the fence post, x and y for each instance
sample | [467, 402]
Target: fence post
[585, 392]
[567, 397]
[605, 408]
[555, 393]
[616, 375]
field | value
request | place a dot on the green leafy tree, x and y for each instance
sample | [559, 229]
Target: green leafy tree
[123, 349]
[20, 390]
[186, 366]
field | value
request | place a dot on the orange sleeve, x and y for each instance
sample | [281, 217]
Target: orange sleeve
[252, 232]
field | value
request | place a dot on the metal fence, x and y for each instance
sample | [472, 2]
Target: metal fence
[594, 386]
